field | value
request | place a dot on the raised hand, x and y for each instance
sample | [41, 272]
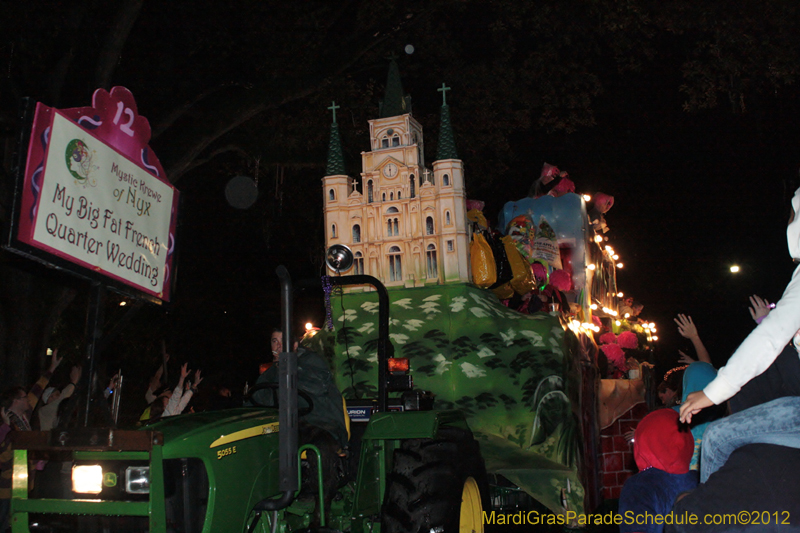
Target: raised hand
[55, 360]
[759, 308]
[113, 382]
[685, 359]
[686, 326]
[75, 374]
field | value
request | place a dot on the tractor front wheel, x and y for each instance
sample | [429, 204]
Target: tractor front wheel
[436, 485]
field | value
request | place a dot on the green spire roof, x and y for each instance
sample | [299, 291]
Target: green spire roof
[394, 103]
[335, 155]
[447, 141]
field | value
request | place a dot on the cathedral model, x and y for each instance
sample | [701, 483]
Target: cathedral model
[407, 225]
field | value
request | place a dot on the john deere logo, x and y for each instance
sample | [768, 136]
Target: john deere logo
[109, 479]
[79, 162]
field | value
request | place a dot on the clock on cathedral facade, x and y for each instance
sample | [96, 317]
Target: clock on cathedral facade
[407, 224]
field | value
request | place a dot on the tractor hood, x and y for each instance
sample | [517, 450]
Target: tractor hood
[212, 429]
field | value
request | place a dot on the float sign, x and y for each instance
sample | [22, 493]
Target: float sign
[95, 195]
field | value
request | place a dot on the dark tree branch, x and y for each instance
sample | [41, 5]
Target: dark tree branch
[173, 117]
[117, 35]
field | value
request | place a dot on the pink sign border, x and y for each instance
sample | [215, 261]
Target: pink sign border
[98, 122]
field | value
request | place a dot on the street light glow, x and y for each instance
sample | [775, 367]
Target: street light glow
[735, 269]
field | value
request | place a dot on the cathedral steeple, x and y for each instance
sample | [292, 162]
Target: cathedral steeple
[447, 141]
[394, 102]
[335, 165]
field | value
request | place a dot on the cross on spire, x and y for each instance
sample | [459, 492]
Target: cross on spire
[333, 108]
[443, 89]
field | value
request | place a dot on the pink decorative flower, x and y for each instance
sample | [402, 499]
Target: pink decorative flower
[628, 339]
[608, 338]
[603, 202]
[561, 280]
[548, 173]
[596, 321]
[475, 204]
[614, 354]
[564, 186]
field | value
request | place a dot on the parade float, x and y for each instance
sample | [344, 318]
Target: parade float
[500, 321]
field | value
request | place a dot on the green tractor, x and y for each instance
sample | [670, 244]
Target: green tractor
[407, 468]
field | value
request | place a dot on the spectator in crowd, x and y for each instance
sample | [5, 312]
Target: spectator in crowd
[688, 330]
[670, 388]
[20, 405]
[662, 450]
[174, 402]
[778, 420]
[696, 376]
[52, 398]
[16, 407]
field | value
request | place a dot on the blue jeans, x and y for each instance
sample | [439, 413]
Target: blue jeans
[775, 422]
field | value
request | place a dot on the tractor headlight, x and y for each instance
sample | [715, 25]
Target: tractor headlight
[137, 480]
[87, 479]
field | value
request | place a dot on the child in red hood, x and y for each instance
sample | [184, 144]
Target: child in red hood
[662, 450]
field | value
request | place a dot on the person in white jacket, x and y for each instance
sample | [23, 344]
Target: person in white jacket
[174, 404]
[776, 421]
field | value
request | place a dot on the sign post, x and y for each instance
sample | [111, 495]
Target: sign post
[93, 199]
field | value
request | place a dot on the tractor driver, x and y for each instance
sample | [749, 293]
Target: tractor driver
[324, 426]
[314, 378]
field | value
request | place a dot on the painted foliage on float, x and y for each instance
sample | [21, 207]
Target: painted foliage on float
[512, 374]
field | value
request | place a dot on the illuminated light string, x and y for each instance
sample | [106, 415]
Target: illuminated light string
[611, 255]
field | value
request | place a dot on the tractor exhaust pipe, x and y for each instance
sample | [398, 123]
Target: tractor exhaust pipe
[287, 405]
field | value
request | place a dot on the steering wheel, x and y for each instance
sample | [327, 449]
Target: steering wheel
[303, 411]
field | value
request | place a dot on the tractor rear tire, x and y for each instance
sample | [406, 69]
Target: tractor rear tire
[436, 485]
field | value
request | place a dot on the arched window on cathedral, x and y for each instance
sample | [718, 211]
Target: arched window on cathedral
[429, 226]
[331, 195]
[413, 186]
[392, 210]
[433, 268]
[389, 230]
[369, 191]
[358, 262]
[391, 196]
[356, 233]
[447, 217]
[395, 264]
[446, 180]
[385, 142]
[383, 197]
[333, 231]
[396, 140]
[396, 228]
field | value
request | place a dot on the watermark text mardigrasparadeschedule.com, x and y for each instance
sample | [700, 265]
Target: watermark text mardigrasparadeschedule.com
[535, 518]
